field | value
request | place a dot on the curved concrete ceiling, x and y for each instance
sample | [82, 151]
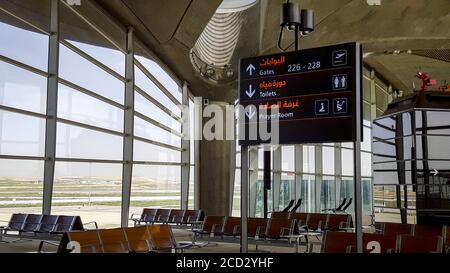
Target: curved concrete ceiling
[171, 29]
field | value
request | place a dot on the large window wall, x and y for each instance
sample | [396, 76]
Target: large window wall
[118, 118]
[322, 175]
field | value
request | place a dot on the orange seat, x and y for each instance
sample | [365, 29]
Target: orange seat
[395, 228]
[232, 226]
[256, 227]
[162, 238]
[337, 221]
[423, 244]
[338, 242]
[317, 221]
[280, 215]
[113, 240]
[279, 227]
[138, 239]
[300, 218]
[89, 241]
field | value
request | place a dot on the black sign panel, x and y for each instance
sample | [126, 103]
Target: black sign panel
[316, 94]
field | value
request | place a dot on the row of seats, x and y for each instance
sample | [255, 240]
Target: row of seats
[345, 242]
[140, 239]
[168, 216]
[26, 225]
[276, 227]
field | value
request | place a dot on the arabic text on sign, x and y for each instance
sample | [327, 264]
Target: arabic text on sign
[272, 84]
[272, 62]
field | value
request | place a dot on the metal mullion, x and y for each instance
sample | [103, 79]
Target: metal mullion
[157, 124]
[23, 112]
[24, 66]
[157, 163]
[91, 93]
[43, 31]
[157, 104]
[128, 139]
[156, 143]
[185, 150]
[93, 60]
[90, 127]
[52, 108]
[86, 160]
[21, 157]
[95, 27]
[156, 82]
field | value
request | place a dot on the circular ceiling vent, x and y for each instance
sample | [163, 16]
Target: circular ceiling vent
[228, 6]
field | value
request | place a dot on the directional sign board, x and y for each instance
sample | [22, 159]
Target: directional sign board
[315, 92]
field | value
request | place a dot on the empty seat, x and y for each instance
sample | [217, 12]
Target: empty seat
[48, 223]
[148, 216]
[280, 214]
[162, 215]
[88, 241]
[16, 222]
[232, 226]
[300, 218]
[279, 227]
[387, 242]
[32, 223]
[338, 242]
[113, 240]
[162, 239]
[212, 225]
[64, 224]
[422, 244]
[429, 230]
[317, 221]
[138, 239]
[192, 216]
[256, 227]
[176, 216]
[395, 228]
[338, 221]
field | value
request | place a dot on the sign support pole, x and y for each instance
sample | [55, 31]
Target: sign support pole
[244, 198]
[357, 159]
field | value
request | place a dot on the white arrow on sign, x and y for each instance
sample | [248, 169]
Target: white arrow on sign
[435, 172]
[250, 69]
[250, 113]
[250, 92]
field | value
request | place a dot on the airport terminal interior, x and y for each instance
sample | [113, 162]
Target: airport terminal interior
[120, 125]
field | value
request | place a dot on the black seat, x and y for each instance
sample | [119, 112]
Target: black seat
[32, 223]
[48, 223]
[64, 224]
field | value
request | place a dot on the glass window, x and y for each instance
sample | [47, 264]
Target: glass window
[77, 106]
[287, 188]
[22, 89]
[161, 76]
[149, 87]
[90, 190]
[21, 185]
[148, 152]
[147, 130]
[237, 194]
[328, 160]
[328, 193]
[21, 134]
[145, 107]
[94, 44]
[347, 162]
[25, 46]
[155, 186]
[307, 190]
[288, 158]
[77, 142]
[309, 165]
[80, 71]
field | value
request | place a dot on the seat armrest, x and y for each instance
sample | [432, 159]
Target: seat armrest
[92, 223]
[42, 243]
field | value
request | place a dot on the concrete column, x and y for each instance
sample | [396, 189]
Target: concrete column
[215, 166]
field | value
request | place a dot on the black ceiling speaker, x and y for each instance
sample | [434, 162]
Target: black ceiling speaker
[307, 18]
[301, 22]
[290, 16]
